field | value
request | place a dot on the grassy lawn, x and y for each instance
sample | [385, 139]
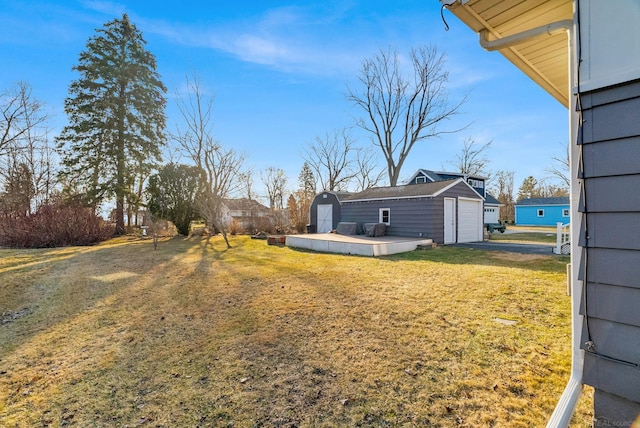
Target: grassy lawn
[196, 335]
[527, 234]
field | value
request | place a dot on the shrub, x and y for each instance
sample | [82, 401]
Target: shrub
[235, 227]
[164, 228]
[54, 225]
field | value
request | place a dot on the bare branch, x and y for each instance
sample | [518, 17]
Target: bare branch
[560, 167]
[332, 159]
[401, 111]
[275, 181]
[473, 158]
[222, 168]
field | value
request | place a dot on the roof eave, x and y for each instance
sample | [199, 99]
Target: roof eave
[556, 87]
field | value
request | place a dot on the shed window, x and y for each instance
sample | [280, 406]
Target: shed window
[385, 216]
[565, 212]
[421, 179]
[540, 213]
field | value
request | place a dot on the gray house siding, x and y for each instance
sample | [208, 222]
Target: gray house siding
[610, 242]
[409, 217]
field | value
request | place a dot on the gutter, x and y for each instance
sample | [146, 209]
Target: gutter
[551, 29]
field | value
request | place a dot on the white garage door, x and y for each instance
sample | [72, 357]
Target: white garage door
[325, 218]
[469, 220]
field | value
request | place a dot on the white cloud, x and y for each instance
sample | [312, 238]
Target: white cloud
[253, 48]
[281, 38]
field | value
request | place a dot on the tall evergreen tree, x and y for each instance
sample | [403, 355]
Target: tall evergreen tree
[116, 116]
[307, 181]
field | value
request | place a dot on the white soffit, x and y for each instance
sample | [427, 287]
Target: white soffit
[544, 59]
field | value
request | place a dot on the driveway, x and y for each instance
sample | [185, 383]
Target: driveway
[543, 249]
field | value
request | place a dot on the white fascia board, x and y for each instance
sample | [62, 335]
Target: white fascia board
[391, 198]
[465, 183]
[542, 205]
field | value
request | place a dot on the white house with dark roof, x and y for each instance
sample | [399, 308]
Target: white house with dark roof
[246, 212]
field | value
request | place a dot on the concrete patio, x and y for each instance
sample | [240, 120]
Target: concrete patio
[355, 244]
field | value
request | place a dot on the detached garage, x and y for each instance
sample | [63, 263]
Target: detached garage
[447, 211]
[470, 220]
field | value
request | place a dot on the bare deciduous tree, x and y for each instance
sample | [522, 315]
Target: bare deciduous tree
[332, 159]
[26, 156]
[275, 181]
[560, 167]
[368, 174]
[20, 116]
[473, 158]
[503, 190]
[401, 111]
[221, 167]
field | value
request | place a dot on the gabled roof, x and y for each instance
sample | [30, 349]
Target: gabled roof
[406, 191]
[560, 200]
[244, 204]
[490, 200]
[431, 175]
[539, 44]
[442, 175]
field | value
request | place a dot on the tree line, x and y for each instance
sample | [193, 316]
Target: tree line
[111, 149]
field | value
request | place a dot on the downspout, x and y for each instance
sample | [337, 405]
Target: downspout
[563, 412]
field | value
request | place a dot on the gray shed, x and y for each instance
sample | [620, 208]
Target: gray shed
[446, 211]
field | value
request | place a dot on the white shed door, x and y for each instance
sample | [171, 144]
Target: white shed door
[325, 218]
[449, 220]
[469, 220]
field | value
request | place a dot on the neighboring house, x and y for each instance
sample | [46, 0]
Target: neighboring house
[248, 213]
[491, 204]
[446, 211]
[140, 218]
[491, 209]
[428, 176]
[542, 211]
[585, 53]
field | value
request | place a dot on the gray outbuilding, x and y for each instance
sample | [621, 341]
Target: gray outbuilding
[447, 211]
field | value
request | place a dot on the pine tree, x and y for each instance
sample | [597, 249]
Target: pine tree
[307, 181]
[116, 116]
[528, 189]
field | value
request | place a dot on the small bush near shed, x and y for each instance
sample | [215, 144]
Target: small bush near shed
[54, 225]
[164, 228]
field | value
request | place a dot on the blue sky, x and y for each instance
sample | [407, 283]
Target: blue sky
[280, 70]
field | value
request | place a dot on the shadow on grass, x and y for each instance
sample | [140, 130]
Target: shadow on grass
[50, 287]
[468, 256]
[249, 325]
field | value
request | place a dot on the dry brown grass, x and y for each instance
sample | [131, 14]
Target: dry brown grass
[196, 335]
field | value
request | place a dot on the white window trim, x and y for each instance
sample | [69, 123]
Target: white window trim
[565, 212]
[421, 179]
[380, 211]
[540, 210]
